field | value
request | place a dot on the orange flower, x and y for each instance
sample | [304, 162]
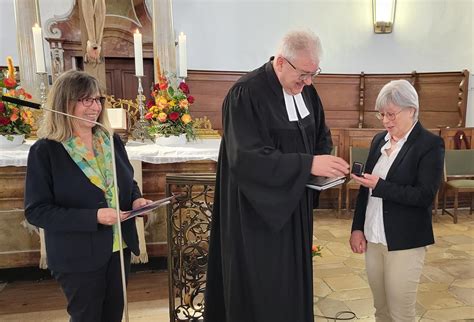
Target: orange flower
[186, 118]
[183, 103]
[162, 117]
[149, 115]
[14, 117]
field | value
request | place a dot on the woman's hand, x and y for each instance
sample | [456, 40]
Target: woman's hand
[108, 216]
[367, 180]
[140, 202]
[358, 242]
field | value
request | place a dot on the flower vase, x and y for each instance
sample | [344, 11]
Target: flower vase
[11, 140]
[172, 140]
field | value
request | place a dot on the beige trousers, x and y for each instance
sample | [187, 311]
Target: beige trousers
[393, 278]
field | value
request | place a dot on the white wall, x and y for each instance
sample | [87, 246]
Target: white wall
[429, 35]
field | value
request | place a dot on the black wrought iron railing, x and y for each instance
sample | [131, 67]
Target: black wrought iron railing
[189, 226]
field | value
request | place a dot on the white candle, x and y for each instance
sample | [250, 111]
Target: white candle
[183, 68]
[137, 42]
[39, 53]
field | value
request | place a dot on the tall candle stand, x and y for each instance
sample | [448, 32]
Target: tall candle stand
[139, 131]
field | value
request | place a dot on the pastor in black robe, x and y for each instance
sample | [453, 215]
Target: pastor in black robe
[260, 266]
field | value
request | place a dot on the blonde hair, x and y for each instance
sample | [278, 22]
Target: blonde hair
[70, 87]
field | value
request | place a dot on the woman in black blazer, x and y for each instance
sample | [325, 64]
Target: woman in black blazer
[69, 193]
[392, 219]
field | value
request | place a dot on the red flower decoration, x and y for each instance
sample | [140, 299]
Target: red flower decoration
[4, 120]
[174, 116]
[2, 108]
[9, 82]
[184, 88]
[191, 99]
[163, 86]
[149, 104]
[149, 115]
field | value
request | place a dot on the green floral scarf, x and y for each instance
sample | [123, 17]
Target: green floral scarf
[97, 166]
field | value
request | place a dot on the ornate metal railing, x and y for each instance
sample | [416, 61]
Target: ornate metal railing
[189, 225]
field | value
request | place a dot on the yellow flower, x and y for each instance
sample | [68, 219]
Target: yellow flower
[172, 103]
[186, 118]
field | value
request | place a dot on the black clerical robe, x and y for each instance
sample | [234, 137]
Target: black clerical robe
[260, 266]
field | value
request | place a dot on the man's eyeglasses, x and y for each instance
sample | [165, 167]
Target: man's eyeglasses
[303, 76]
[87, 101]
[390, 116]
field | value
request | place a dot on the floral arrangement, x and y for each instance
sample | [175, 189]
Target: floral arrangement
[13, 120]
[169, 111]
[316, 251]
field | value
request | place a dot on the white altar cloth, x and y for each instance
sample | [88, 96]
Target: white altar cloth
[201, 149]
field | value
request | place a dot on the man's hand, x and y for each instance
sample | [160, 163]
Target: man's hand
[367, 180]
[329, 166]
[358, 242]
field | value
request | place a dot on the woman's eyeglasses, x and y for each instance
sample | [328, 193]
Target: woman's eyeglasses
[388, 115]
[303, 76]
[88, 101]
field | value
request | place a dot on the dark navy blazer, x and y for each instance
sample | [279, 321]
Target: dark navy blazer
[60, 199]
[408, 190]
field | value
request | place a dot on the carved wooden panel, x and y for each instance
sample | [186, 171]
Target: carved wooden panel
[339, 97]
[121, 80]
[209, 89]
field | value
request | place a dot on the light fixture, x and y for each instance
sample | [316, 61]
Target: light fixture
[384, 15]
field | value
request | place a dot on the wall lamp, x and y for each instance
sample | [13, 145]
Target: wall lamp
[384, 15]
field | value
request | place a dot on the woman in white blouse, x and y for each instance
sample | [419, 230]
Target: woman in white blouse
[392, 219]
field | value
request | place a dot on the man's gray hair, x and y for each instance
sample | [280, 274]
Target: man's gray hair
[297, 41]
[400, 93]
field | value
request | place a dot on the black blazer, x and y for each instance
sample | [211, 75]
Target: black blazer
[408, 191]
[60, 199]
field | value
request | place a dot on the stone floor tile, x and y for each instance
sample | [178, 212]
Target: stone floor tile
[459, 268]
[435, 274]
[450, 314]
[326, 272]
[339, 249]
[348, 282]
[321, 289]
[432, 287]
[330, 307]
[438, 300]
[356, 262]
[350, 295]
[363, 308]
[463, 294]
[464, 283]
[458, 239]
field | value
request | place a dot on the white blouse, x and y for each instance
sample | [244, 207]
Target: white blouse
[374, 230]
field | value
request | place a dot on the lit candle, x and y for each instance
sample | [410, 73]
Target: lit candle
[137, 42]
[39, 53]
[183, 68]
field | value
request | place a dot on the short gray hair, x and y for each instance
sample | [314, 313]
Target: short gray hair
[400, 93]
[297, 41]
